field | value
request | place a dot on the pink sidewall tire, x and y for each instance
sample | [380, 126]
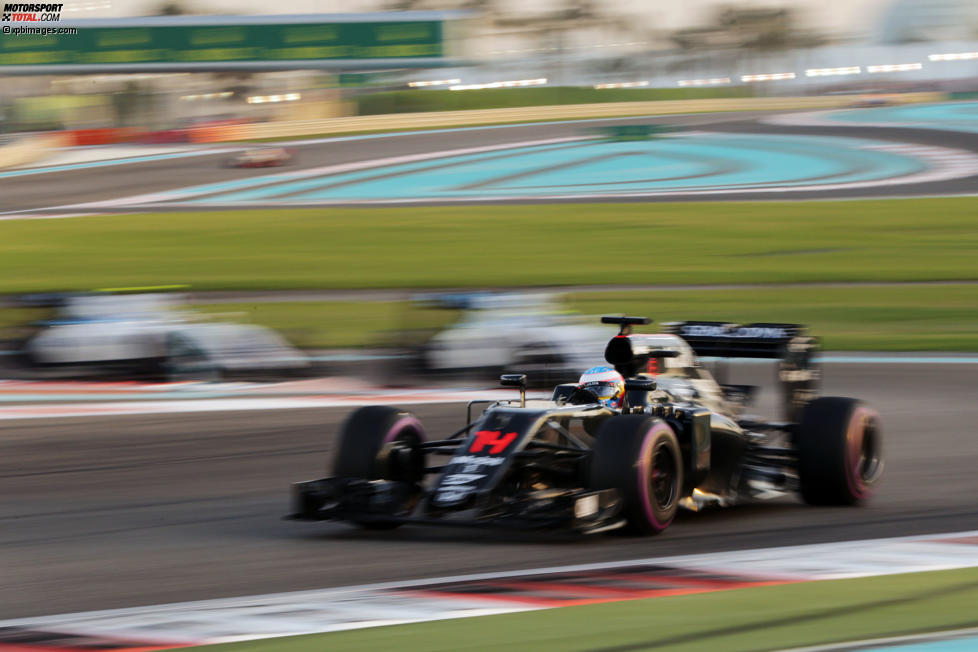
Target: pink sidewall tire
[640, 457]
[840, 451]
[379, 442]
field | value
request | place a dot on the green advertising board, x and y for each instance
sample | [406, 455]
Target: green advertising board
[145, 44]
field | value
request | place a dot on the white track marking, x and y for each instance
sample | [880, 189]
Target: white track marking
[328, 610]
[171, 406]
[824, 119]
[207, 189]
[943, 164]
[893, 641]
[42, 216]
[116, 153]
[844, 560]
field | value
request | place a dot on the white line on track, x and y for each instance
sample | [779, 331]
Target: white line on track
[118, 408]
[943, 164]
[824, 119]
[328, 610]
[26, 399]
[207, 189]
[42, 216]
[78, 161]
[893, 641]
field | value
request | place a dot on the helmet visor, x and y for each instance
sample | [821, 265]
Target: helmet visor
[603, 390]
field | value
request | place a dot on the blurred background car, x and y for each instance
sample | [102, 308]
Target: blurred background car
[149, 335]
[260, 157]
[503, 332]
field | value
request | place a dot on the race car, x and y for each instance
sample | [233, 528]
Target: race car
[148, 335]
[509, 332]
[260, 157]
[588, 462]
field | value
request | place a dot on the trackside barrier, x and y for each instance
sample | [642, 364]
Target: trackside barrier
[163, 137]
[221, 133]
[30, 149]
[99, 136]
[428, 120]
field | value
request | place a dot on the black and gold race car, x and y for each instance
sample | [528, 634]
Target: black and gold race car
[677, 439]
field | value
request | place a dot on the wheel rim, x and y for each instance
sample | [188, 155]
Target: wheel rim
[405, 461]
[662, 480]
[864, 458]
[870, 463]
[400, 455]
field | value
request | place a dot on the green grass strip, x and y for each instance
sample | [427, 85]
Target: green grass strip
[337, 324]
[765, 618]
[861, 318]
[855, 318]
[686, 243]
[408, 101]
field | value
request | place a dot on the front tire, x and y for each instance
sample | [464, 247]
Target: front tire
[379, 442]
[840, 451]
[639, 456]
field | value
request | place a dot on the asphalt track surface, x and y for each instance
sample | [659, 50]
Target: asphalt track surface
[65, 188]
[101, 513]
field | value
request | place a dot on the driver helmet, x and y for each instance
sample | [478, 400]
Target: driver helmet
[608, 384]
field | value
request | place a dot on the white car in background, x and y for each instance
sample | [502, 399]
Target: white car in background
[260, 157]
[150, 334]
[510, 332]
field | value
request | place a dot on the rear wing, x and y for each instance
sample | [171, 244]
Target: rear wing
[798, 375]
[789, 344]
[761, 340]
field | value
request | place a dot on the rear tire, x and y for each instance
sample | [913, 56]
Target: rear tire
[639, 456]
[840, 451]
[382, 443]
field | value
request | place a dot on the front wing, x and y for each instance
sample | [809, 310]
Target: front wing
[379, 501]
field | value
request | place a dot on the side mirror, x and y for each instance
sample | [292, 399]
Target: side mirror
[515, 380]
